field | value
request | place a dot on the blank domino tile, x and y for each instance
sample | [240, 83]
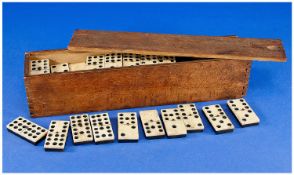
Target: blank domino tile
[174, 125]
[38, 67]
[81, 129]
[101, 128]
[243, 112]
[218, 119]
[57, 134]
[127, 127]
[27, 130]
[78, 67]
[113, 60]
[152, 125]
[190, 117]
[60, 68]
[95, 62]
[130, 59]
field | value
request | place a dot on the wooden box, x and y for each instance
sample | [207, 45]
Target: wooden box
[207, 68]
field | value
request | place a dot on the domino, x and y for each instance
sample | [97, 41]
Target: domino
[191, 117]
[56, 137]
[166, 59]
[38, 67]
[78, 67]
[127, 127]
[101, 128]
[243, 112]
[27, 130]
[113, 60]
[149, 59]
[95, 62]
[81, 129]
[174, 125]
[131, 59]
[60, 68]
[152, 125]
[218, 119]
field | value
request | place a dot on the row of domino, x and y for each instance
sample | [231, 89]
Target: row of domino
[176, 122]
[112, 60]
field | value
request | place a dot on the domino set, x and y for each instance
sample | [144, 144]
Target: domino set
[174, 122]
[112, 60]
[150, 65]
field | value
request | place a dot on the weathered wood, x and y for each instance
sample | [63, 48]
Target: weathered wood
[128, 87]
[178, 45]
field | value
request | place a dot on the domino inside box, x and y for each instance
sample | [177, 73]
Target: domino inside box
[205, 68]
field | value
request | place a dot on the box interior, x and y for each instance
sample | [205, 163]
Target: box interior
[72, 57]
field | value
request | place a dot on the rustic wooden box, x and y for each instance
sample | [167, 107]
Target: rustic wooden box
[207, 68]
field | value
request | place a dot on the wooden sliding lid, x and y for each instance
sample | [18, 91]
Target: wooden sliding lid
[178, 45]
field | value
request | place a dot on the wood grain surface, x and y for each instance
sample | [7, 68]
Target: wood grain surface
[128, 87]
[178, 45]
